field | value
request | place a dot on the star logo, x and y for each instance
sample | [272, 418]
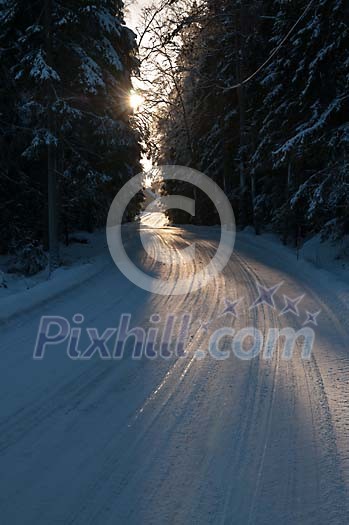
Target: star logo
[291, 305]
[231, 307]
[266, 295]
[311, 318]
[205, 326]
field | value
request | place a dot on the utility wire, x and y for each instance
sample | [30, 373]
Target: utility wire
[276, 50]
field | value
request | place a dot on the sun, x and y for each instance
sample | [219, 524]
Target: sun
[136, 100]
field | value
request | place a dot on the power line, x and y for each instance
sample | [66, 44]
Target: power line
[276, 50]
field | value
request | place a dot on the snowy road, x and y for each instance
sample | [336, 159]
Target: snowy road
[183, 441]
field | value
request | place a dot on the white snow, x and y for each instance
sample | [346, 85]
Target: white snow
[180, 440]
[92, 74]
[79, 262]
[41, 70]
[309, 128]
[110, 54]
[328, 255]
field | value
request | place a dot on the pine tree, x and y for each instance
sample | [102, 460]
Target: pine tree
[265, 89]
[84, 86]
[302, 124]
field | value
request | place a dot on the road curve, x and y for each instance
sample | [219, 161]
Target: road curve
[180, 440]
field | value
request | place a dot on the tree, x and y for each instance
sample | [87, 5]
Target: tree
[257, 99]
[72, 101]
[302, 124]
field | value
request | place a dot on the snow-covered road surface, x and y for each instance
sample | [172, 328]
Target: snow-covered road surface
[180, 441]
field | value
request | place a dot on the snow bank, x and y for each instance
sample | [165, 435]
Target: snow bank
[80, 261]
[60, 282]
[328, 255]
[332, 257]
[86, 257]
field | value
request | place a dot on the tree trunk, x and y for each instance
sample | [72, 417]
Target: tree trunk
[240, 30]
[51, 152]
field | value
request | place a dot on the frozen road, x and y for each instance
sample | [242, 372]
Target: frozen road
[180, 441]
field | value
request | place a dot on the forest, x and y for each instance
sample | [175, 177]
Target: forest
[254, 94]
[174, 262]
[256, 97]
[66, 70]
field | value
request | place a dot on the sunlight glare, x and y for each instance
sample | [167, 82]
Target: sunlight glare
[136, 100]
[146, 163]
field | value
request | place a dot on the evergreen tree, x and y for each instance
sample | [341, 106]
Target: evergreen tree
[264, 86]
[74, 98]
[303, 123]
